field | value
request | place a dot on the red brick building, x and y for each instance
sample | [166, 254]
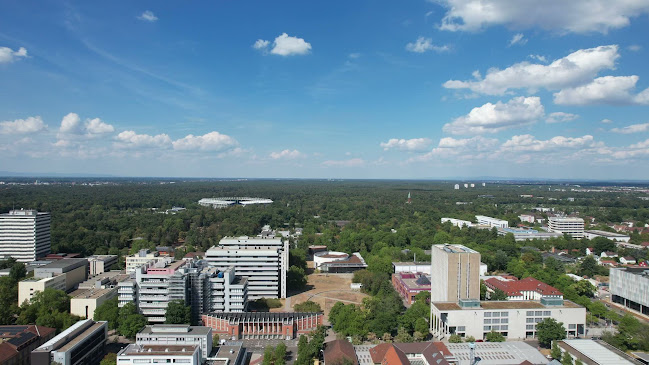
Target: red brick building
[408, 285]
[252, 325]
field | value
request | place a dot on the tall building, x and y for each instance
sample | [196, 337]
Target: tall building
[264, 261]
[81, 343]
[455, 270]
[204, 289]
[573, 226]
[24, 235]
[630, 287]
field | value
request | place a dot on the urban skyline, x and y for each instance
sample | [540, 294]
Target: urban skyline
[423, 89]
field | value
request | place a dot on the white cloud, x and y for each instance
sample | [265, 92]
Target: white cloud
[492, 118]
[561, 16]
[286, 155]
[8, 55]
[422, 45]
[71, 126]
[560, 117]
[23, 126]
[539, 58]
[624, 153]
[213, 141]
[634, 47]
[413, 145]
[528, 143]
[354, 162]
[285, 45]
[606, 121]
[634, 128]
[603, 90]
[148, 16]
[261, 44]
[354, 55]
[130, 139]
[575, 69]
[519, 39]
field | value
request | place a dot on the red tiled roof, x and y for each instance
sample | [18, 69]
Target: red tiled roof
[338, 350]
[395, 353]
[515, 287]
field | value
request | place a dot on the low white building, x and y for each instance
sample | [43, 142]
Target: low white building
[618, 237]
[513, 319]
[145, 258]
[422, 267]
[491, 222]
[457, 222]
[153, 354]
[98, 264]
[527, 218]
[83, 302]
[177, 335]
[30, 286]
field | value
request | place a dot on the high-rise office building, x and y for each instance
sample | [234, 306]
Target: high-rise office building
[455, 273]
[264, 261]
[24, 235]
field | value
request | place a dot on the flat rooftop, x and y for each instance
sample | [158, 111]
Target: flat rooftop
[224, 351]
[80, 337]
[454, 248]
[511, 304]
[596, 352]
[498, 353]
[157, 350]
[172, 330]
[605, 233]
[91, 293]
[63, 264]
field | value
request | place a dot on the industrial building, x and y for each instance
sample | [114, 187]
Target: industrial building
[629, 287]
[177, 335]
[263, 261]
[618, 237]
[24, 235]
[572, 226]
[81, 343]
[456, 273]
[262, 325]
[17, 342]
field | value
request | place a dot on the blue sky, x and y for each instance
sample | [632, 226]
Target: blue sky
[340, 89]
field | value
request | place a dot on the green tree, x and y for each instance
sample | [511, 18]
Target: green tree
[421, 325]
[469, 339]
[549, 330]
[130, 325]
[585, 288]
[296, 278]
[17, 271]
[307, 306]
[8, 299]
[494, 336]
[178, 313]
[483, 290]
[556, 351]
[269, 356]
[578, 362]
[109, 359]
[280, 354]
[216, 339]
[403, 335]
[588, 266]
[455, 338]
[108, 311]
[566, 359]
[498, 295]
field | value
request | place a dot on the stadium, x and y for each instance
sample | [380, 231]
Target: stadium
[230, 201]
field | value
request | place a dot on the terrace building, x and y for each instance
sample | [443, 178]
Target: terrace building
[572, 226]
[145, 258]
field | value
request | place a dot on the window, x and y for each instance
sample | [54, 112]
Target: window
[530, 320]
[504, 328]
[487, 328]
[529, 327]
[572, 326]
[538, 313]
[487, 314]
[547, 313]
[496, 314]
[530, 313]
[504, 314]
[487, 321]
[504, 320]
[497, 320]
[461, 328]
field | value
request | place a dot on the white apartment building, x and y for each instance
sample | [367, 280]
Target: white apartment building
[30, 286]
[263, 261]
[527, 218]
[457, 222]
[573, 226]
[491, 222]
[516, 320]
[24, 235]
[155, 354]
[145, 258]
[177, 335]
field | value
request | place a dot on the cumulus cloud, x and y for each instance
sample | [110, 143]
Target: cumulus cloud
[561, 16]
[560, 117]
[354, 162]
[466, 148]
[539, 58]
[492, 118]
[130, 139]
[213, 141]
[23, 126]
[71, 126]
[603, 90]
[529, 143]
[634, 128]
[286, 155]
[575, 69]
[8, 55]
[412, 145]
[606, 121]
[518, 38]
[148, 16]
[422, 45]
[629, 152]
[284, 45]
